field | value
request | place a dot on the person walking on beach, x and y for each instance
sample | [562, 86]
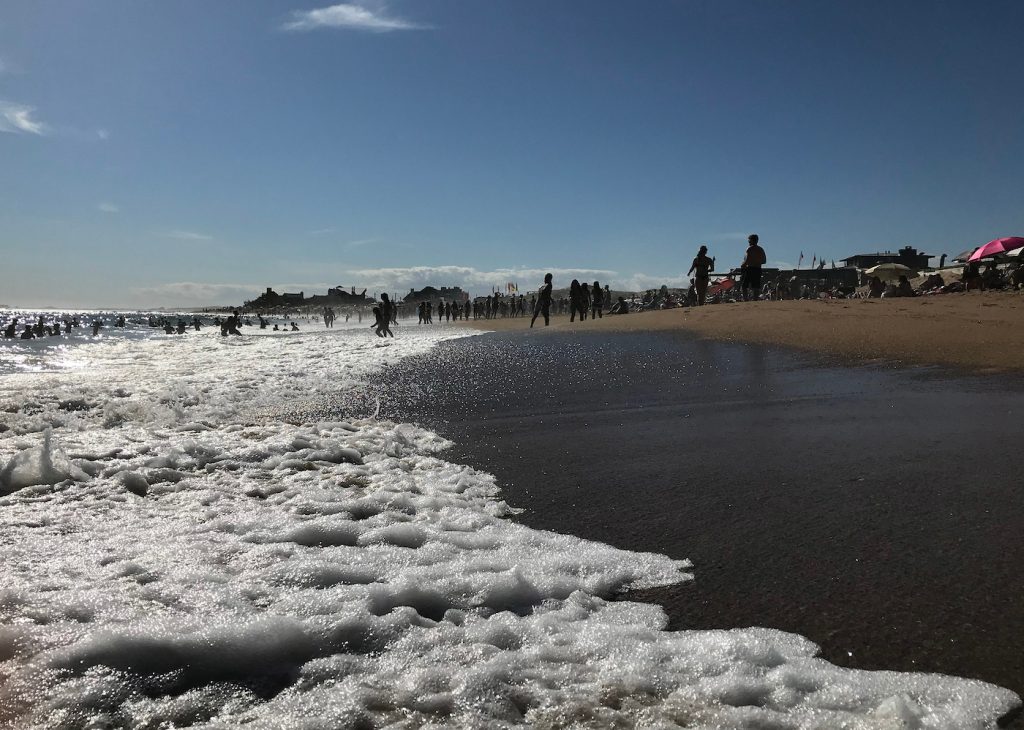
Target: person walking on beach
[575, 300]
[701, 266]
[753, 260]
[543, 302]
[596, 301]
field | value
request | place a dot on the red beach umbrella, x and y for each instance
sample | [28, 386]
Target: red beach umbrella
[1000, 245]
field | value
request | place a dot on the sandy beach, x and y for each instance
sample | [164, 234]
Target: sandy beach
[976, 331]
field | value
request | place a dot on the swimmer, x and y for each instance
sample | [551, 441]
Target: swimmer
[28, 334]
[96, 325]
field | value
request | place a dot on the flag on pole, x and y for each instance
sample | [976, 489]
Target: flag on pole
[798, 263]
[814, 260]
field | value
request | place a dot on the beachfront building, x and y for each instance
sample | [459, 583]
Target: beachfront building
[434, 295]
[271, 298]
[908, 256]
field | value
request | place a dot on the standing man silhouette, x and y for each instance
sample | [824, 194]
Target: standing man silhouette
[543, 301]
[753, 260]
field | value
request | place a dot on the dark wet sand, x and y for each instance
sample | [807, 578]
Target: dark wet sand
[876, 511]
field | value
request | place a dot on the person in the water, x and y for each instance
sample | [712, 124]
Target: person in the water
[96, 325]
[387, 315]
[12, 328]
[28, 334]
[543, 305]
[230, 326]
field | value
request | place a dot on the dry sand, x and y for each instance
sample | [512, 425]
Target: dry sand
[976, 331]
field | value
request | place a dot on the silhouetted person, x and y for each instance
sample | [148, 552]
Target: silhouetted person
[12, 328]
[543, 305]
[388, 312]
[28, 334]
[753, 260]
[596, 301]
[382, 322]
[96, 325]
[701, 267]
[621, 307]
[230, 326]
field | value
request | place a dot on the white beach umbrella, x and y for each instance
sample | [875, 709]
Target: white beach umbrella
[888, 272]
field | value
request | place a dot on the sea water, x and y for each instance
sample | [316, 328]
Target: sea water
[177, 551]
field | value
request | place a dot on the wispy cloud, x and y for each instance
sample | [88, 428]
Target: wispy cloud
[17, 119]
[360, 242]
[323, 231]
[108, 208]
[102, 134]
[351, 16]
[187, 236]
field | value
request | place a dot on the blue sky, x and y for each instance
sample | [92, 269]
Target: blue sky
[187, 152]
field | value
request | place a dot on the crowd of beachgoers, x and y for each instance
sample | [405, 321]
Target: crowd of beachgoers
[578, 300]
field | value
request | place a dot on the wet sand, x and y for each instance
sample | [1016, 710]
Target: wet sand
[977, 331]
[875, 510]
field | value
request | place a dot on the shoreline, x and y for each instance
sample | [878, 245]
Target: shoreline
[847, 521]
[979, 331]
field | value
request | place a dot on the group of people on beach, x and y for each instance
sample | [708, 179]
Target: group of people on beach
[750, 271]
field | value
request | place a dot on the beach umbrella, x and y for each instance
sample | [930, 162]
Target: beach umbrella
[998, 246]
[964, 255]
[888, 272]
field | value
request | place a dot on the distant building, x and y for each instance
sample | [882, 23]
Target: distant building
[433, 294]
[271, 298]
[908, 256]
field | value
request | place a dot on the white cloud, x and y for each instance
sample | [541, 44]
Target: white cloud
[108, 208]
[17, 118]
[187, 236]
[102, 134]
[349, 15]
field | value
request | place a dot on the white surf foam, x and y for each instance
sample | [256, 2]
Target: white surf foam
[193, 561]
